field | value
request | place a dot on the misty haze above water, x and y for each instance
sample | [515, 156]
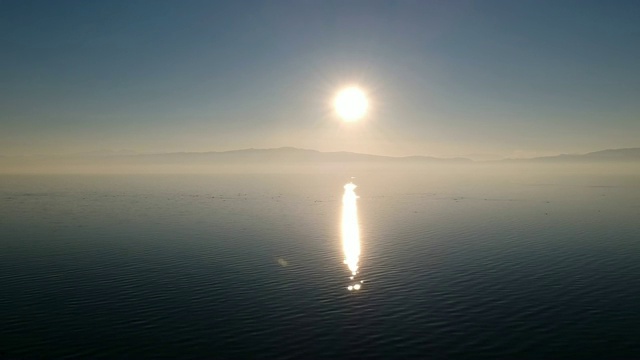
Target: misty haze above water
[278, 160]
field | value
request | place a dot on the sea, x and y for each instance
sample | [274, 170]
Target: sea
[469, 262]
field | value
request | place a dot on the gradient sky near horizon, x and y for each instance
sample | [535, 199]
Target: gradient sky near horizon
[481, 79]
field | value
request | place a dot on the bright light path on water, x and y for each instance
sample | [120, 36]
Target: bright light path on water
[351, 232]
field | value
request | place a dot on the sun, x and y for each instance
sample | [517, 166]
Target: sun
[351, 104]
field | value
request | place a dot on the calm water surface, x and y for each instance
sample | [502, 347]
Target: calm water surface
[454, 265]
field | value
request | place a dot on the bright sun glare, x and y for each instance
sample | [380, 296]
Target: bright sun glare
[351, 104]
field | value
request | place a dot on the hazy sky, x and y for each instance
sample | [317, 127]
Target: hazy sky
[445, 78]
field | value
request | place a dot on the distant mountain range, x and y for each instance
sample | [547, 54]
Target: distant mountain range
[611, 155]
[296, 155]
[284, 155]
[279, 156]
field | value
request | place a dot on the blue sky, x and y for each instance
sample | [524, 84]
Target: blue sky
[445, 78]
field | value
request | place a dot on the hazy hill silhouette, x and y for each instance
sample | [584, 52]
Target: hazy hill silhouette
[283, 155]
[265, 159]
[609, 155]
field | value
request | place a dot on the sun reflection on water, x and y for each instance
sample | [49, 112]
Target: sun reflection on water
[351, 234]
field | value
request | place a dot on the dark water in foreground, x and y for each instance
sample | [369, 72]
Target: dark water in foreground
[242, 266]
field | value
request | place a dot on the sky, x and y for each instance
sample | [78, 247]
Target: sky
[481, 79]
